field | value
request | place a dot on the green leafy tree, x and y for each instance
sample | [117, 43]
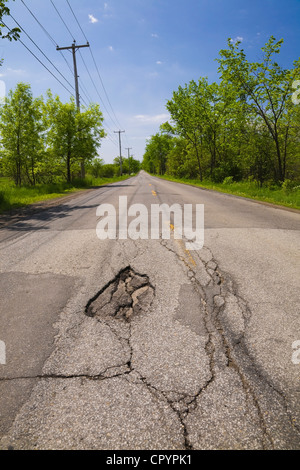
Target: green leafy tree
[95, 166]
[210, 117]
[156, 153]
[267, 89]
[129, 165]
[185, 120]
[21, 134]
[134, 165]
[109, 170]
[73, 137]
[10, 34]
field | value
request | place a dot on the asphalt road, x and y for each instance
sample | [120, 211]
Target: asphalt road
[145, 344]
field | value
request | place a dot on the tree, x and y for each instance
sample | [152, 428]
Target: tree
[157, 149]
[95, 166]
[73, 136]
[267, 88]
[12, 34]
[21, 134]
[134, 165]
[246, 125]
[184, 111]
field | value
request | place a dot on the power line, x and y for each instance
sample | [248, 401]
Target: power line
[60, 16]
[53, 42]
[97, 69]
[84, 63]
[57, 11]
[62, 20]
[81, 29]
[67, 63]
[77, 21]
[85, 92]
[47, 34]
[40, 50]
[59, 49]
[104, 87]
[32, 53]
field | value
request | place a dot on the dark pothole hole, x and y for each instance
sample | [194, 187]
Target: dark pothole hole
[124, 297]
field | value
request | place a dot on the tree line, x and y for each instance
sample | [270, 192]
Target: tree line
[246, 126]
[99, 169]
[43, 140]
[47, 141]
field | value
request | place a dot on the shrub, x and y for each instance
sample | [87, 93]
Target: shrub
[289, 185]
[228, 180]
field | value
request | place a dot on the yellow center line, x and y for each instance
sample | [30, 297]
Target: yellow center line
[191, 258]
[186, 251]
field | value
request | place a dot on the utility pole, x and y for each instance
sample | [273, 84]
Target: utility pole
[129, 148]
[74, 48]
[120, 132]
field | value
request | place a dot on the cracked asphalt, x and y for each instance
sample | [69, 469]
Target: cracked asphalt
[142, 344]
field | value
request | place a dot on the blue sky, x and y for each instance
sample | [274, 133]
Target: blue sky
[143, 49]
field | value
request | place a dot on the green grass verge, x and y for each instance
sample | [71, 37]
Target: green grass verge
[12, 197]
[279, 196]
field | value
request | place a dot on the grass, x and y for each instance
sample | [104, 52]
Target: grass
[12, 197]
[274, 195]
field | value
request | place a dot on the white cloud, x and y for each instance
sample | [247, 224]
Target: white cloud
[93, 19]
[107, 11]
[16, 71]
[148, 119]
[154, 35]
[159, 62]
[152, 75]
[237, 39]
[111, 48]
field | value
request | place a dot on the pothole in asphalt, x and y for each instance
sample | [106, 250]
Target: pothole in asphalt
[124, 297]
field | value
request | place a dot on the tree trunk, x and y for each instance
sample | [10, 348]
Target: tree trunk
[199, 162]
[279, 159]
[69, 167]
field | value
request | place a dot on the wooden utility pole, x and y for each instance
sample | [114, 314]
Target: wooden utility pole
[74, 48]
[120, 132]
[129, 148]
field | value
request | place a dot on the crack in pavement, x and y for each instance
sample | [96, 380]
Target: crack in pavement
[119, 299]
[116, 301]
[216, 296]
[129, 296]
